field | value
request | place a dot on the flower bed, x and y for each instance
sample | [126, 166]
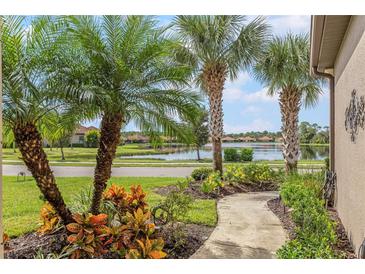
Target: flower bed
[314, 231]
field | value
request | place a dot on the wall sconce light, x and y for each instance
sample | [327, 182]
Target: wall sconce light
[362, 250]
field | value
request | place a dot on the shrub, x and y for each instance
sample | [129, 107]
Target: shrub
[184, 183]
[174, 207]
[327, 163]
[6, 240]
[87, 235]
[50, 219]
[246, 154]
[92, 138]
[234, 174]
[123, 229]
[314, 229]
[231, 155]
[259, 173]
[201, 173]
[212, 183]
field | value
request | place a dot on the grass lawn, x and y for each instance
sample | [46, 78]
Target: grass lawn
[79, 154]
[22, 204]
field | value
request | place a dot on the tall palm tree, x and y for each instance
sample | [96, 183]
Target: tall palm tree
[27, 98]
[219, 47]
[124, 70]
[284, 68]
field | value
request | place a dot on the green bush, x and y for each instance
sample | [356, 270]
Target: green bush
[92, 138]
[314, 229]
[212, 183]
[234, 174]
[175, 206]
[231, 155]
[259, 173]
[201, 173]
[246, 154]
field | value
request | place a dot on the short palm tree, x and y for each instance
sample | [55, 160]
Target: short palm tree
[284, 68]
[27, 98]
[124, 70]
[219, 47]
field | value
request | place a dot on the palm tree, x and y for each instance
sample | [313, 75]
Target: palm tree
[285, 70]
[123, 69]
[219, 47]
[59, 126]
[27, 98]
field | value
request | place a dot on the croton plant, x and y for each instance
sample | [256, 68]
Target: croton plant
[126, 231]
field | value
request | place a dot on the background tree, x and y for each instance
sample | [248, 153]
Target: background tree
[92, 138]
[199, 131]
[27, 98]
[219, 47]
[122, 68]
[60, 125]
[284, 68]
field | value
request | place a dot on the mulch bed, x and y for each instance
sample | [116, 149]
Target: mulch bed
[343, 244]
[283, 214]
[27, 246]
[190, 237]
[194, 190]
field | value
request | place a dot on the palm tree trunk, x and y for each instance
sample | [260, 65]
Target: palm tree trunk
[29, 142]
[289, 106]
[111, 125]
[198, 153]
[214, 78]
[62, 153]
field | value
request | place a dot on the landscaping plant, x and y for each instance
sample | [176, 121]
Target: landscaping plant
[29, 96]
[123, 69]
[200, 174]
[315, 231]
[219, 47]
[246, 154]
[50, 219]
[231, 155]
[234, 174]
[284, 69]
[212, 183]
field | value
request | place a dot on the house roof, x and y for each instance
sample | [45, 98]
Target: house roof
[82, 129]
[228, 138]
[247, 138]
[327, 33]
[265, 138]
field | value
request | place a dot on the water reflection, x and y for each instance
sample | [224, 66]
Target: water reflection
[262, 151]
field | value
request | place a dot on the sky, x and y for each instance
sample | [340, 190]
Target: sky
[246, 105]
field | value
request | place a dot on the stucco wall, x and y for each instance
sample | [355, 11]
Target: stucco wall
[350, 157]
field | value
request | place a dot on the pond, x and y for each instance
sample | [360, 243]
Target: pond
[262, 151]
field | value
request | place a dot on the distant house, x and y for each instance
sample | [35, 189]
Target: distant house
[247, 139]
[137, 138]
[228, 139]
[78, 137]
[265, 139]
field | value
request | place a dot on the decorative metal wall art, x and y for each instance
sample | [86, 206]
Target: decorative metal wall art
[355, 115]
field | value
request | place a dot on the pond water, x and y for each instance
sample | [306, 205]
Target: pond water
[262, 151]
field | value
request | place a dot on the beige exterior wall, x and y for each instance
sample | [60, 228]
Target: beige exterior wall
[350, 157]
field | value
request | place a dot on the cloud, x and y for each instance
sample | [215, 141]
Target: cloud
[236, 94]
[255, 125]
[294, 23]
[251, 110]
[242, 79]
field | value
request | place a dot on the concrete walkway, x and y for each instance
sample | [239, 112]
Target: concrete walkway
[246, 229]
[84, 171]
